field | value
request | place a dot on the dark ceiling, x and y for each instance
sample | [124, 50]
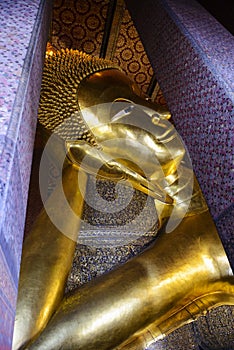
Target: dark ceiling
[222, 10]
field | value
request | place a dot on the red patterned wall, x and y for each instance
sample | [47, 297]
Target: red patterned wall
[130, 54]
[80, 24]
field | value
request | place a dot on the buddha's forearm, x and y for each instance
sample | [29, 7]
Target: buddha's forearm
[46, 261]
[186, 265]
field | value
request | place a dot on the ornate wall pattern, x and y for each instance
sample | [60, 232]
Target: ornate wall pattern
[80, 24]
[130, 54]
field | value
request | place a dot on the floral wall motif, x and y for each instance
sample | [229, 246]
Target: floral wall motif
[130, 54]
[80, 24]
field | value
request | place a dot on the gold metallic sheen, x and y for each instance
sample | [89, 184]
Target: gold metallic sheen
[46, 261]
[110, 169]
[184, 274]
[181, 276]
[113, 85]
[73, 81]
[63, 72]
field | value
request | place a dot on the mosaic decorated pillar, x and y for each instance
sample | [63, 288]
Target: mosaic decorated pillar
[192, 56]
[24, 29]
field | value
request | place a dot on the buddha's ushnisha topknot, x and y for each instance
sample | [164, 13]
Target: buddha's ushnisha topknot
[58, 109]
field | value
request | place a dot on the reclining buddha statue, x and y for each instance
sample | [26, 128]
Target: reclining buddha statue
[96, 123]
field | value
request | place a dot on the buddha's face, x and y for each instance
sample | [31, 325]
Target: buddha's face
[102, 116]
[115, 110]
[112, 85]
[131, 130]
